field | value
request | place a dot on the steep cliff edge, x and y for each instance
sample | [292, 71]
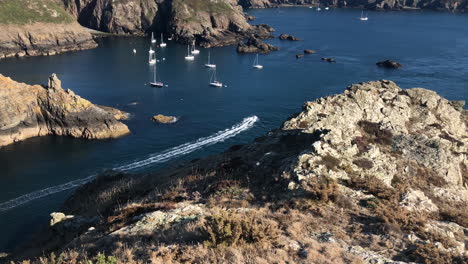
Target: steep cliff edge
[452, 5]
[31, 28]
[374, 175]
[30, 111]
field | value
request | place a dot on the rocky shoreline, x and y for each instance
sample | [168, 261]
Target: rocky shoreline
[387, 5]
[42, 39]
[207, 23]
[376, 174]
[32, 110]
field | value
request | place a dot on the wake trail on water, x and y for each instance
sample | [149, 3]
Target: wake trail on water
[159, 157]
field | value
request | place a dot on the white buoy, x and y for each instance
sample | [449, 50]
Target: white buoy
[134, 51]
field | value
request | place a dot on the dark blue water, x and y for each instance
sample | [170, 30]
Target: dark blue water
[433, 47]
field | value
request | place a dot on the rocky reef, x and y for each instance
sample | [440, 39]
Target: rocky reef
[456, 5]
[33, 110]
[376, 174]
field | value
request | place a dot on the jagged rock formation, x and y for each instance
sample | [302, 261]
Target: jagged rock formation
[377, 174]
[29, 111]
[458, 5]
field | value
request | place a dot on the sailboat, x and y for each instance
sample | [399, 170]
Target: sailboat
[155, 82]
[153, 40]
[209, 64]
[256, 65]
[363, 18]
[194, 51]
[189, 55]
[162, 44]
[169, 38]
[134, 51]
[152, 57]
[213, 81]
[327, 8]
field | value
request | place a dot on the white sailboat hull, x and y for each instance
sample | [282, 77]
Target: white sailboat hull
[162, 45]
[157, 84]
[208, 65]
[152, 62]
[190, 58]
[195, 52]
[258, 66]
[364, 18]
[216, 84]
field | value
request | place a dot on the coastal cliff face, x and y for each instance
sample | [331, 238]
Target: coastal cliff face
[31, 28]
[455, 5]
[210, 23]
[377, 174]
[120, 17]
[29, 111]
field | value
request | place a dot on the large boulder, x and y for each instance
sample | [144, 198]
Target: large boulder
[164, 119]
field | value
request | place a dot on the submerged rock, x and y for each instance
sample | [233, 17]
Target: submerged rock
[164, 119]
[32, 110]
[389, 64]
[331, 59]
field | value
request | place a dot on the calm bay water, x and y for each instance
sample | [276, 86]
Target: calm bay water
[433, 47]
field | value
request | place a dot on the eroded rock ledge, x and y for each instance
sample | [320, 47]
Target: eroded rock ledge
[32, 110]
[43, 39]
[376, 174]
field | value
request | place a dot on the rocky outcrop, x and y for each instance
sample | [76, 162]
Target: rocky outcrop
[29, 111]
[43, 39]
[378, 174]
[331, 59]
[457, 5]
[389, 64]
[255, 45]
[288, 37]
[164, 119]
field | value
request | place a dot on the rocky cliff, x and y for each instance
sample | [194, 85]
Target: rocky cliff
[377, 174]
[210, 23]
[30, 28]
[29, 111]
[452, 5]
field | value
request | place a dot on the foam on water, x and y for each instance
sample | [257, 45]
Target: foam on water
[159, 157]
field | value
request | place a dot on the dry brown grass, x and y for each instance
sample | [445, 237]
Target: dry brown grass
[232, 228]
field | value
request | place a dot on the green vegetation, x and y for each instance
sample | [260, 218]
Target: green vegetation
[23, 12]
[214, 7]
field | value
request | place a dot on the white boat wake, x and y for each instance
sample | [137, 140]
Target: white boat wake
[160, 157]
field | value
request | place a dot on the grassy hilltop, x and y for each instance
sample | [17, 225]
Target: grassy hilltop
[21, 12]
